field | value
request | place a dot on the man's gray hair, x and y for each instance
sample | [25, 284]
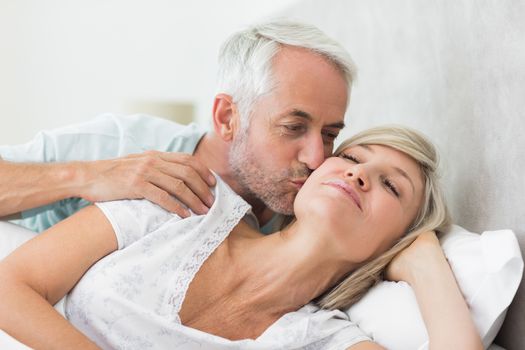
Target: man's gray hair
[245, 59]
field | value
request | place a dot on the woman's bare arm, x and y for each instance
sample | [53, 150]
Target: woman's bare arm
[43, 270]
[445, 313]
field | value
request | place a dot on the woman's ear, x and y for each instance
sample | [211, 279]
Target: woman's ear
[225, 117]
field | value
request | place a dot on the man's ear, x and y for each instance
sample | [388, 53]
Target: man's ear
[225, 117]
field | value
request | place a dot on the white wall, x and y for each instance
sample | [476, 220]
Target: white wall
[454, 69]
[64, 61]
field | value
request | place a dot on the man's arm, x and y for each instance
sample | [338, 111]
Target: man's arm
[157, 176]
[26, 186]
[72, 153]
[15, 216]
[43, 270]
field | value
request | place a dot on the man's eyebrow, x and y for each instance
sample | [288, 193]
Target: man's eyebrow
[299, 113]
[338, 125]
[398, 170]
[302, 114]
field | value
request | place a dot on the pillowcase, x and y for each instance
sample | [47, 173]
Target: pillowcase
[488, 269]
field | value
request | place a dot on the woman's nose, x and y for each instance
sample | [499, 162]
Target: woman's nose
[357, 173]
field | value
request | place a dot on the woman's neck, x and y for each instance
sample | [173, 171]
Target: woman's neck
[283, 271]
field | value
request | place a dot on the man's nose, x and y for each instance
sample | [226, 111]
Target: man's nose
[359, 175]
[312, 152]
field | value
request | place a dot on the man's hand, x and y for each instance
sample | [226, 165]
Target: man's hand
[166, 179]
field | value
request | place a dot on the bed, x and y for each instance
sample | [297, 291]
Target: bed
[454, 70]
[487, 266]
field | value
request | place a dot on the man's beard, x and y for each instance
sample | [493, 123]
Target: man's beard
[273, 188]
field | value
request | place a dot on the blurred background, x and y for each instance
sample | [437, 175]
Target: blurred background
[64, 61]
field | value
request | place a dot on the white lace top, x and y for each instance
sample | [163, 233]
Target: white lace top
[131, 298]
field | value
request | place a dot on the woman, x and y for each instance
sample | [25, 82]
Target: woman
[139, 277]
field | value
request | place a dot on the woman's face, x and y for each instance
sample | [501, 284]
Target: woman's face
[366, 199]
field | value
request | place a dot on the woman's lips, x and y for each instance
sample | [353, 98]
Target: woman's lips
[346, 188]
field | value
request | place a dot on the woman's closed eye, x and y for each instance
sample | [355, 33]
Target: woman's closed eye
[387, 183]
[350, 157]
[391, 186]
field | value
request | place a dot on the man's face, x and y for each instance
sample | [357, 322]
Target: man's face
[292, 129]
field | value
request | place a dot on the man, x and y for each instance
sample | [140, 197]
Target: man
[283, 92]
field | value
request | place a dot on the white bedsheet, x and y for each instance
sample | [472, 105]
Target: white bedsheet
[10, 343]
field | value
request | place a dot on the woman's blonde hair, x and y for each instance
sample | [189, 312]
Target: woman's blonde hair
[433, 214]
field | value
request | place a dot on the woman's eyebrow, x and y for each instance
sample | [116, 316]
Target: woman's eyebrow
[367, 147]
[405, 175]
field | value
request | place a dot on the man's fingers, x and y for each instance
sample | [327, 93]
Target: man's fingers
[192, 180]
[165, 200]
[177, 174]
[181, 191]
[188, 160]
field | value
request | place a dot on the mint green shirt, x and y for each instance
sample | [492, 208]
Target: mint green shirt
[104, 137]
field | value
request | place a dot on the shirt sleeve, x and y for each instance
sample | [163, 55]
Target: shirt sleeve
[134, 219]
[104, 137]
[96, 139]
[99, 138]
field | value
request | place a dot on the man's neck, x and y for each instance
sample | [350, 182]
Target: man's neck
[213, 153]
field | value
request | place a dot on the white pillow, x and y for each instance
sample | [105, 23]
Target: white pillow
[11, 236]
[8, 342]
[488, 269]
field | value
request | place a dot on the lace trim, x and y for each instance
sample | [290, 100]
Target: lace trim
[224, 222]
